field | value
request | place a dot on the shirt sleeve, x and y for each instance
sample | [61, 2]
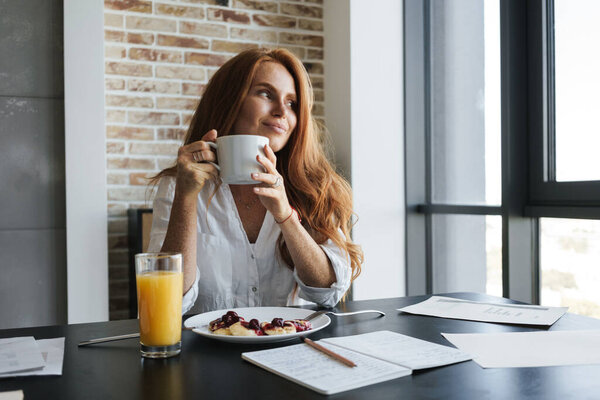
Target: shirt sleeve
[161, 212]
[329, 297]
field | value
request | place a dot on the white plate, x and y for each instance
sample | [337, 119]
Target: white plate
[262, 314]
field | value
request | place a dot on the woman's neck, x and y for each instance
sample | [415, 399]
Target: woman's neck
[242, 191]
[244, 196]
[250, 210]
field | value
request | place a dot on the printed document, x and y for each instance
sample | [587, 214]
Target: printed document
[525, 314]
[529, 349]
[47, 355]
[20, 354]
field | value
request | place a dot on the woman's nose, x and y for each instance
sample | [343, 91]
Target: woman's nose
[279, 109]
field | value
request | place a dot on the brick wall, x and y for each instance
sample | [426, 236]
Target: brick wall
[158, 57]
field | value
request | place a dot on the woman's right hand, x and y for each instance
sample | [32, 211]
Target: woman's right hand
[192, 170]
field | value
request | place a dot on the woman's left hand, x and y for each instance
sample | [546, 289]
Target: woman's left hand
[272, 191]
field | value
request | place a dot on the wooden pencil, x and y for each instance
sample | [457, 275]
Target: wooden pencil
[330, 353]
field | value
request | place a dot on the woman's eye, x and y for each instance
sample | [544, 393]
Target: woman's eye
[264, 93]
[291, 104]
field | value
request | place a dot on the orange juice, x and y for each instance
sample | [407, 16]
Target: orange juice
[159, 295]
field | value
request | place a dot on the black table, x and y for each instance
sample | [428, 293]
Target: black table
[212, 369]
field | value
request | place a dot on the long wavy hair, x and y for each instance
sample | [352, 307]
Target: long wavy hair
[320, 195]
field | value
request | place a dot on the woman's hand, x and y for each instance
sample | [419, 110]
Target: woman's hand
[192, 170]
[272, 192]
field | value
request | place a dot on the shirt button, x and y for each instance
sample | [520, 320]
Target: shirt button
[252, 256]
[254, 289]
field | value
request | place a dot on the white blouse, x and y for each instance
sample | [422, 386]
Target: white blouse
[230, 271]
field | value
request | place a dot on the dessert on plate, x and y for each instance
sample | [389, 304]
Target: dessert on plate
[221, 326]
[232, 324]
[243, 328]
[278, 327]
[301, 325]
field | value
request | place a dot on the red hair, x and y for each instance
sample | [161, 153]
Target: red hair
[322, 197]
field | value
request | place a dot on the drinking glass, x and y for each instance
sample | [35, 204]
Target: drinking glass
[159, 281]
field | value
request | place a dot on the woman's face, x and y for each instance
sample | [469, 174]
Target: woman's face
[269, 109]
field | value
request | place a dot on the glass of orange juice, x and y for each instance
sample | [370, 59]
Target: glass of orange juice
[159, 281]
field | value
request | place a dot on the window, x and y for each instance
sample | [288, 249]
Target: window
[570, 264]
[461, 195]
[502, 177]
[576, 35]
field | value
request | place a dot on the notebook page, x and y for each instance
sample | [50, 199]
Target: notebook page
[311, 368]
[400, 349]
[12, 395]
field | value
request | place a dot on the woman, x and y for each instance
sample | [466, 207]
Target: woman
[269, 244]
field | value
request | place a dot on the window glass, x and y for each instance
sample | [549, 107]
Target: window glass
[570, 264]
[467, 254]
[493, 250]
[465, 105]
[577, 84]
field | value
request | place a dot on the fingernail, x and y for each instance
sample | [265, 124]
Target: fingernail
[257, 189]
[254, 175]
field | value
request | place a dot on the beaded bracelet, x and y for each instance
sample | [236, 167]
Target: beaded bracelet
[292, 213]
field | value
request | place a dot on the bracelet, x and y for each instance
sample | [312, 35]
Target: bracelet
[288, 217]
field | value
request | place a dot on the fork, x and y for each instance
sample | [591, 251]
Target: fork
[321, 312]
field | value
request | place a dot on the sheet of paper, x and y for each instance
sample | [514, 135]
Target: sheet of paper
[12, 395]
[309, 367]
[53, 351]
[20, 354]
[529, 349]
[447, 307]
[401, 349]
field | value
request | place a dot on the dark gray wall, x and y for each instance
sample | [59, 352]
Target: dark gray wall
[32, 162]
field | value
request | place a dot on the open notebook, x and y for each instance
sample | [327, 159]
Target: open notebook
[380, 356]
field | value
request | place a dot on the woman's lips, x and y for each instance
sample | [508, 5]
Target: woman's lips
[277, 128]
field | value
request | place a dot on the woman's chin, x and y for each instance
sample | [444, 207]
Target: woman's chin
[276, 142]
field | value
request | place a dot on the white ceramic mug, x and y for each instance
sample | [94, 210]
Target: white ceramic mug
[237, 157]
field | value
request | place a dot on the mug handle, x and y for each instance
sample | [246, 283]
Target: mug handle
[214, 146]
